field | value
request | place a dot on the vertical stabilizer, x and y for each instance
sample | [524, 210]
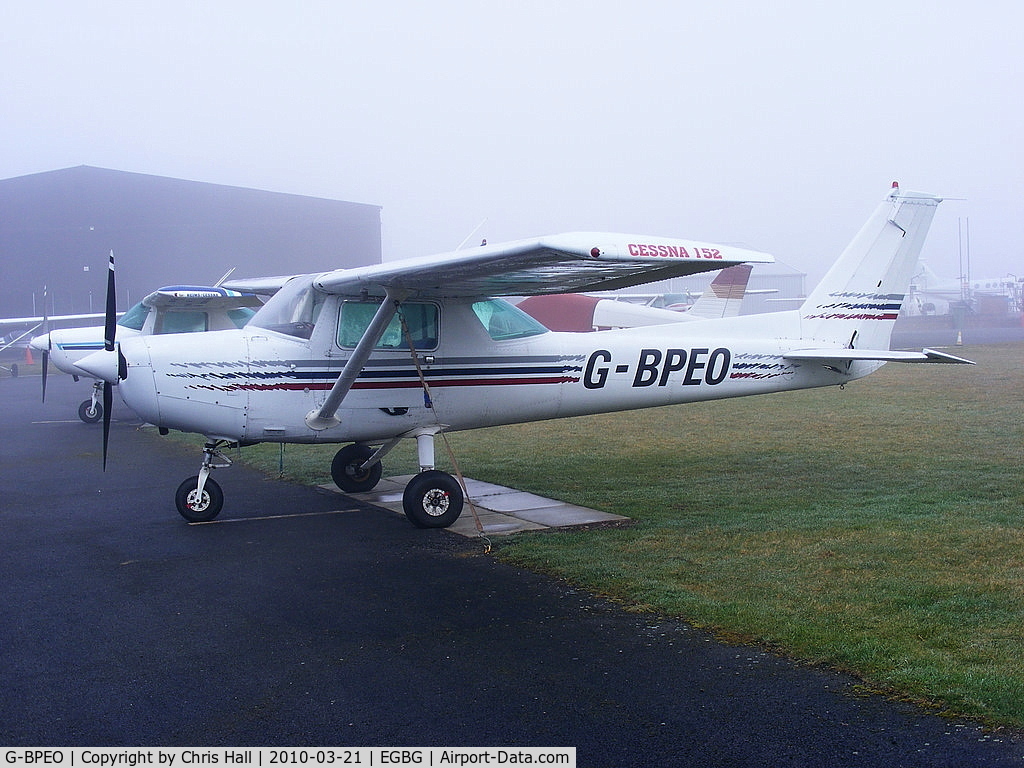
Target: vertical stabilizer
[724, 296]
[857, 302]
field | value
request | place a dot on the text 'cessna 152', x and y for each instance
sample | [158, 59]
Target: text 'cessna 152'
[409, 349]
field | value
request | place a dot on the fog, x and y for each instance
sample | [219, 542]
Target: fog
[775, 126]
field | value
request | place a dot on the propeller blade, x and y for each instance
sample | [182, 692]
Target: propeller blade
[109, 331]
[46, 365]
[110, 321]
[107, 398]
[49, 341]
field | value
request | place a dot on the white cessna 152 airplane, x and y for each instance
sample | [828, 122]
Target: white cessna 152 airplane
[410, 349]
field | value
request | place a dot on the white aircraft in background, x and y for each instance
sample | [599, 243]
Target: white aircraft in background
[173, 309]
[407, 350]
[24, 327]
[582, 312]
[934, 294]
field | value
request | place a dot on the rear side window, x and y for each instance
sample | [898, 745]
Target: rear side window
[503, 321]
[239, 317]
[420, 318]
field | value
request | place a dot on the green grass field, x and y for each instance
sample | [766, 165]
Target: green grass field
[878, 529]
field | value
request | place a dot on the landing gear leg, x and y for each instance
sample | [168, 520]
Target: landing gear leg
[432, 499]
[200, 499]
[91, 410]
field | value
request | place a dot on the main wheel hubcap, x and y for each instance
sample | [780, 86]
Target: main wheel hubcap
[436, 502]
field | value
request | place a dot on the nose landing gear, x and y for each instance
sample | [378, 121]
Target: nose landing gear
[91, 410]
[200, 499]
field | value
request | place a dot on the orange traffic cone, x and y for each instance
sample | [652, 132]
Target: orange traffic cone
[28, 356]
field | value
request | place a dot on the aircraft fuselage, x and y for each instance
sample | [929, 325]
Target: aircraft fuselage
[255, 384]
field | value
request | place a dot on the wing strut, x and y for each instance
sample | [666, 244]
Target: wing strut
[325, 416]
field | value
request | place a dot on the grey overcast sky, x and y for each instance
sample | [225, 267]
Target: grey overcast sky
[777, 126]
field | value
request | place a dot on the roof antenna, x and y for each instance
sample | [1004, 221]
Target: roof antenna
[227, 274]
[473, 233]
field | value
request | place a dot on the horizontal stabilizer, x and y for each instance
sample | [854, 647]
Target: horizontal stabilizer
[883, 355]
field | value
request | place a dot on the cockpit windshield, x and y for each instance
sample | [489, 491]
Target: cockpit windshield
[135, 317]
[293, 310]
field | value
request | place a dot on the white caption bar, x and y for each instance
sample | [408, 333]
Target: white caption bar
[258, 757]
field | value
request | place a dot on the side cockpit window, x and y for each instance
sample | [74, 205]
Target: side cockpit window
[420, 319]
[182, 321]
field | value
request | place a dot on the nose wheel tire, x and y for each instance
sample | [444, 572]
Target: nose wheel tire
[432, 499]
[196, 507]
[90, 412]
[346, 473]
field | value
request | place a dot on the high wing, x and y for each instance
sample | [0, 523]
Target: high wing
[21, 321]
[262, 286]
[199, 297]
[567, 263]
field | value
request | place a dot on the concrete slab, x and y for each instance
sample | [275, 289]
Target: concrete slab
[501, 511]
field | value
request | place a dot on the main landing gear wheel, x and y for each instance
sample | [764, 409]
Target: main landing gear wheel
[196, 507]
[432, 499]
[90, 412]
[345, 470]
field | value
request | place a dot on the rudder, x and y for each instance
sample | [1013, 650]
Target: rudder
[858, 300]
